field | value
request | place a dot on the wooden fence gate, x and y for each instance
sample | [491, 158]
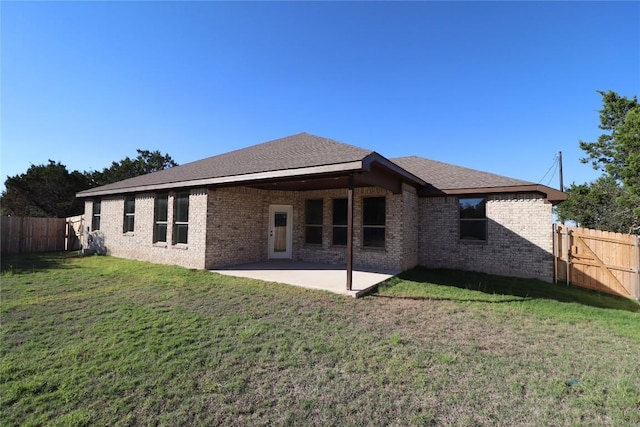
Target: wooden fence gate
[598, 260]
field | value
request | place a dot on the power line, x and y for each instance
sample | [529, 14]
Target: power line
[555, 163]
[553, 174]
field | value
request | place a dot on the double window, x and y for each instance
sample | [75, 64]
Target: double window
[373, 222]
[160, 218]
[180, 223]
[129, 214]
[473, 219]
[95, 216]
[313, 222]
[181, 218]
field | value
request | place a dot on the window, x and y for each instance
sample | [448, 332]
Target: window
[129, 214]
[160, 218]
[95, 218]
[313, 222]
[473, 219]
[339, 222]
[373, 222]
[180, 218]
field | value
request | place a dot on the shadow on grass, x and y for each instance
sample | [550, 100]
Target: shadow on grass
[442, 298]
[523, 289]
[38, 262]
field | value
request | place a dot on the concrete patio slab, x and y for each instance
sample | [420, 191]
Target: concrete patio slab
[327, 277]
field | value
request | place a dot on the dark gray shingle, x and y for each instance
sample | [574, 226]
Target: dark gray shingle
[295, 151]
[445, 176]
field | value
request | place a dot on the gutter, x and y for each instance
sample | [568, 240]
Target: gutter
[554, 196]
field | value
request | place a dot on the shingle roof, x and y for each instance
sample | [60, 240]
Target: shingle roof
[303, 155]
[297, 151]
[445, 176]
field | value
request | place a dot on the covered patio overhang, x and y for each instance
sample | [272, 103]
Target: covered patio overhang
[326, 277]
[372, 171]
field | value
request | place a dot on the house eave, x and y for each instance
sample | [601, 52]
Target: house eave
[406, 176]
[354, 166]
[551, 194]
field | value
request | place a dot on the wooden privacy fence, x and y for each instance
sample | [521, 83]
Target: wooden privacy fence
[599, 260]
[24, 235]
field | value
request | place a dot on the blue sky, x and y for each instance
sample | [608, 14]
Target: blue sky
[495, 86]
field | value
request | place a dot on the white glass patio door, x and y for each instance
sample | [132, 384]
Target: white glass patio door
[280, 226]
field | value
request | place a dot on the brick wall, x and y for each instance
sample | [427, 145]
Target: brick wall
[519, 240]
[236, 227]
[139, 244]
[410, 227]
[238, 220]
[230, 226]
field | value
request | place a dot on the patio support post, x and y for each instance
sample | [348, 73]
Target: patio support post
[350, 233]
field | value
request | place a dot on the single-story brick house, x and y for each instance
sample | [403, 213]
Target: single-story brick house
[309, 198]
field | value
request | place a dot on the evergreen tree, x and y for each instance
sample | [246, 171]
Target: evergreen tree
[612, 202]
[50, 190]
[44, 191]
[146, 162]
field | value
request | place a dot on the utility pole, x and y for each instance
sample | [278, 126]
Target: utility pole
[560, 163]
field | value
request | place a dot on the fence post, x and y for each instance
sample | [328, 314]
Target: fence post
[69, 240]
[568, 250]
[555, 253]
[637, 251]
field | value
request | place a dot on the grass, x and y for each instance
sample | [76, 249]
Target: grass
[546, 301]
[106, 341]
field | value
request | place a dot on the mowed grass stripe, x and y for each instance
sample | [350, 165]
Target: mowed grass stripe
[106, 341]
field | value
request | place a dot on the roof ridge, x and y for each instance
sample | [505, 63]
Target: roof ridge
[297, 151]
[336, 141]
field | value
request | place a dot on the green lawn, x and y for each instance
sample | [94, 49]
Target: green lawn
[106, 341]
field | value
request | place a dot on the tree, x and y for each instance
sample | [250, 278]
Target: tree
[612, 202]
[594, 205]
[628, 139]
[50, 190]
[44, 191]
[146, 162]
[627, 142]
[610, 153]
